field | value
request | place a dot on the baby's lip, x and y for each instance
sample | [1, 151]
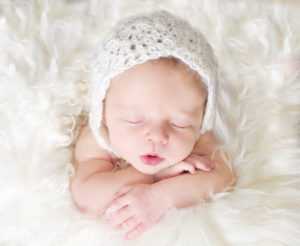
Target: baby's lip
[151, 159]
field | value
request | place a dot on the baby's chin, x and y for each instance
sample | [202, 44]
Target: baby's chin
[151, 170]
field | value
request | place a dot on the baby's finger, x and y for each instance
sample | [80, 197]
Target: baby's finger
[140, 228]
[201, 163]
[124, 189]
[130, 223]
[117, 204]
[120, 216]
[184, 166]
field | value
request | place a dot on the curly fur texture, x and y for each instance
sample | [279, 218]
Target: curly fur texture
[46, 48]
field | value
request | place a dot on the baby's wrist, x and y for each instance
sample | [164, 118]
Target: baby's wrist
[162, 195]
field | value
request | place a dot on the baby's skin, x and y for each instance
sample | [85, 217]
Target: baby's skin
[153, 113]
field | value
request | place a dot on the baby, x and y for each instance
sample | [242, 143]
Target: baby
[148, 147]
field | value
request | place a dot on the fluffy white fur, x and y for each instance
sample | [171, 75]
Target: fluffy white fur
[45, 52]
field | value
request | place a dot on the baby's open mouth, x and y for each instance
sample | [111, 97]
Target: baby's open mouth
[151, 159]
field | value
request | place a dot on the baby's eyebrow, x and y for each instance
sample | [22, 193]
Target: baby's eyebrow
[185, 115]
[129, 108]
[185, 112]
[129, 111]
[190, 111]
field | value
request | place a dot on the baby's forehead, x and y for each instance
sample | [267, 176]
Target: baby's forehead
[165, 66]
[175, 63]
[172, 92]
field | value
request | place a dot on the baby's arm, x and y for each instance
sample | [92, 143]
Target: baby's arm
[94, 183]
[137, 207]
[189, 189]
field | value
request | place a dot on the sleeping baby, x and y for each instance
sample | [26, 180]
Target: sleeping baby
[148, 147]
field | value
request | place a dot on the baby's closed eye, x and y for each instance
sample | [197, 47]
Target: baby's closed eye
[134, 120]
[176, 124]
[180, 125]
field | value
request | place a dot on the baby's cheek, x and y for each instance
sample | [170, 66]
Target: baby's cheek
[117, 141]
[183, 146]
[124, 145]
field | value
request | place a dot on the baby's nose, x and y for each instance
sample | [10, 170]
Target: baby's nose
[157, 135]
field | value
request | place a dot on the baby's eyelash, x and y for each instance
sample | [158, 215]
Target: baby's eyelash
[180, 127]
[134, 122]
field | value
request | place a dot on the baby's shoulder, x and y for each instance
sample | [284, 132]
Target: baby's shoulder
[87, 147]
[207, 142]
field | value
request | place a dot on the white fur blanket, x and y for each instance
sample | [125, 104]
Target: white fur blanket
[45, 52]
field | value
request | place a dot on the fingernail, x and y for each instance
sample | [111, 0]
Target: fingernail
[209, 167]
[106, 215]
[109, 210]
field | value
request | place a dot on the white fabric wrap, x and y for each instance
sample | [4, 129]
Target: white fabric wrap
[144, 37]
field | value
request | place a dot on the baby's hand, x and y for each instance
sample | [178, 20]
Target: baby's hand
[194, 162]
[136, 208]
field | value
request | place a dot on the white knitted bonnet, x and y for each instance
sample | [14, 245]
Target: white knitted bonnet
[138, 39]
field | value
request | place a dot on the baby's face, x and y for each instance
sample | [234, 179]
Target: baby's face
[153, 113]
